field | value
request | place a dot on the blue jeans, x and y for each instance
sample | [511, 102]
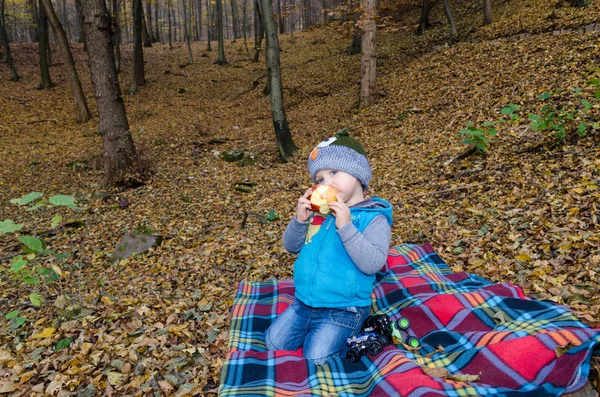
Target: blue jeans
[321, 332]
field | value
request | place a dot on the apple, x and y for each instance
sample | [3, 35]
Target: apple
[321, 196]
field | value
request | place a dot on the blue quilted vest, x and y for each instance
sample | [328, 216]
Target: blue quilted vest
[324, 274]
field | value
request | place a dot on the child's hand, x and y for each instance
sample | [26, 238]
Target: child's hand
[340, 211]
[304, 209]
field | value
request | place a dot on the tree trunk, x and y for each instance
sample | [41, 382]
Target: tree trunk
[149, 22]
[169, 16]
[82, 111]
[280, 21]
[116, 34]
[448, 12]
[259, 31]
[32, 27]
[307, 14]
[199, 11]
[4, 37]
[234, 20]
[186, 33]
[221, 50]
[424, 24]
[487, 12]
[225, 21]
[145, 35]
[119, 155]
[156, 19]
[125, 23]
[285, 144]
[81, 38]
[66, 20]
[208, 25]
[137, 66]
[244, 27]
[368, 58]
[43, 48]
[356, 37]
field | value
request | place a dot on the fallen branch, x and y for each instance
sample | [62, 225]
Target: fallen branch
[461, 155]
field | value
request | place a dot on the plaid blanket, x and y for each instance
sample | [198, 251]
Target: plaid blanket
[513, 345]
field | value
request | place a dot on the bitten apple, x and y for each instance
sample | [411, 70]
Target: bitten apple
[321, 196]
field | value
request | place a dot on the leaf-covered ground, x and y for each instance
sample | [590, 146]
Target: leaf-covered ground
[524, 212]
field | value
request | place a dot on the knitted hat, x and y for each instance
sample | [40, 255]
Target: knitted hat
[343, 153]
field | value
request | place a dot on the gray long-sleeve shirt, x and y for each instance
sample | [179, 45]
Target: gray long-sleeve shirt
[368, 250]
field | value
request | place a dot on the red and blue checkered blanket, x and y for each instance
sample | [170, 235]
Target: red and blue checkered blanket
[513, 345]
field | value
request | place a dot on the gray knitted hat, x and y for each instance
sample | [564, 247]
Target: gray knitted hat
[341, 152]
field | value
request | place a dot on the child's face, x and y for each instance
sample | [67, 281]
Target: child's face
[347, 184]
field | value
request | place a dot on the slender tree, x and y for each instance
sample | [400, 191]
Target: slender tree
[137, 66]
[368, 58]
[453, 33]
[209, 35]
[169, 17]
[221, 49]
[81, 38]
[259, 31]
[4, 36]
[149, 22]
[356, 37]
[156, 28]
[33, 23]
[145, 35]
[487, 12]
[424, 23]
[285, 144]
[235, 20]
[119, 155]
[43, 46]
[307, 13]
[82, 113]
[199, 10]
[186, 33]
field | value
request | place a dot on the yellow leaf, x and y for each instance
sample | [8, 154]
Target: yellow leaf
[465, 377]
[114, 378]
[106, 300]
[523, 257]
[47, 332]
[57, 269]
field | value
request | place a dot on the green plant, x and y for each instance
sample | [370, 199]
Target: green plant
[479, 138]
[37, 265]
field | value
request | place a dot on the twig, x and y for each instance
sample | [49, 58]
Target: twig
[443, 191]
[41, 121]
[461, 155]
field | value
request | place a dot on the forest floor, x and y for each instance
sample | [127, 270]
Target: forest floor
[525, 211]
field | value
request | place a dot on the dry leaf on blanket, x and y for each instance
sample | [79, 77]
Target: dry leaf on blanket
[464, 377]
[560, 350]
[436, 372]
[440, 349]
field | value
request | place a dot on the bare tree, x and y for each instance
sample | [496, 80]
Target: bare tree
[7, 57]
[221, 48]
[368, 58]
[259, 30]
[44, 48]
[149, 22]
[487, 12]
[82, 113]
[285, 144]
[424, 24]
[453, 33]
[119, 154]
[186, 33]
[137, 66]
[234, 20]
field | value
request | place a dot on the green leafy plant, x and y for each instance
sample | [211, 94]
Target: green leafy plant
[479, 138]
[511, 110]
[38, 264]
